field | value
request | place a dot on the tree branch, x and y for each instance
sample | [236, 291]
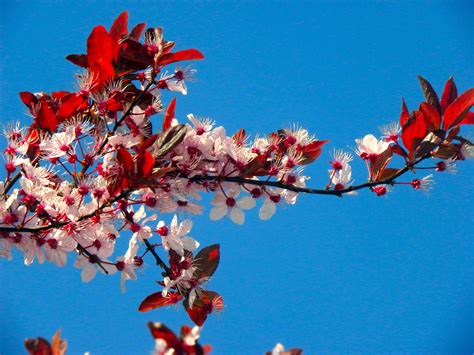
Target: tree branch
[388, 181]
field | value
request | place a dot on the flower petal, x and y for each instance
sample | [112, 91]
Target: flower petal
[267, 210]
[246, 202]
[237, 215]
[218, 212]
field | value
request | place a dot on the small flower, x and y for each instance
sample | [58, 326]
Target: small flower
[59, 144]
[370, 147]
[90, 264]
[176, 237]
[425, 183]
[141, 231]
[228, 204]
[268, 208]
[342, 179]
[448, 165]
[340, 159]
[390, 131]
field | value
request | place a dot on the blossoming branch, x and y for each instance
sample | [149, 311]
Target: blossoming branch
[112, 159]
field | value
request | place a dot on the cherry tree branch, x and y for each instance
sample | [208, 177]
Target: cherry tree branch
[388, 181]
[159, 261]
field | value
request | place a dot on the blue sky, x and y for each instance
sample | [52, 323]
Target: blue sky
[355, 274]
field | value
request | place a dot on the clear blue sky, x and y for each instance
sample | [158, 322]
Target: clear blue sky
[343, 275]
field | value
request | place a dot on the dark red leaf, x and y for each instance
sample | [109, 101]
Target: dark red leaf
[59, 95]
[404, 114]
[156, 300]
[46, 119]
[396, 149]
[450, 93]
[137, 31]
[468, 119]
[413, 131]
[119, 27]
[312, 151]
[455, 112]
[430, 94]
[160, 331]
[134, 56]
[145, 164]
[205, 304]
[78, 59]
[102, 52]
[431, 116]
[206, 261]
[70, 104]
[187, 54]
[28, 98]
[38, 346]
[125, 158]
[169, 114]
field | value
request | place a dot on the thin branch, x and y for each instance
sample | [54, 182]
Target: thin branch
[388, 181]
[159, 261]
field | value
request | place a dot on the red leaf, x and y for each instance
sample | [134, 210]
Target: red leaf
[102, 52]
[458, 108]
[125, 158]
[134, 55]
[78, 59]
[145, 164]
[59, 95]
[119, 27]
[430, 94]
[312, 151]
[431, 116]
[468, 119]
[404, 114]
[413, 131]
[396, 149]
[160, 331]
[450, 93]
[38, 346]
[28, 98]
[137, 31]
[169, 114]
[187, 54]
[206, 261]
[156, 300]
[70, 104]
[207, 303]
[46, 118]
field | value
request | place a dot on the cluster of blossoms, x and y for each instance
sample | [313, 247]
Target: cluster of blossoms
[98, 162]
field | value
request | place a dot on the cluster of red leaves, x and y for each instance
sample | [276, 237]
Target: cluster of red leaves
[203, 265]
[431, 129]
[111, 55]
[435, 121]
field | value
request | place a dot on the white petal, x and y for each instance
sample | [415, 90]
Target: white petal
[218, 199]
[246, 202]
[190, 243]
[185, 227]
[267, 210]
[218, 212]
[237, 215]
[88, 273]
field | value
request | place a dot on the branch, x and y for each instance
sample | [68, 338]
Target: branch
[388, 181]
[159, 261]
